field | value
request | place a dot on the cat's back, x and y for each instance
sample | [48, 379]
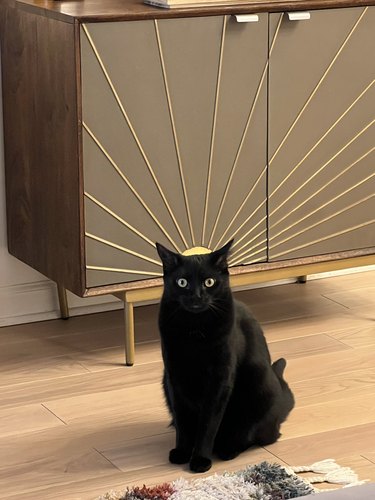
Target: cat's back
[249, 334]
[245, 320]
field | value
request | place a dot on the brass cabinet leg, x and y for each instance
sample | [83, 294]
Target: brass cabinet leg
[129, 333]
[301, 279]
[63, 301]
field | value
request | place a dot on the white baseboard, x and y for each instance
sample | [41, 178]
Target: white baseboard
[351, 270]
[38, 301]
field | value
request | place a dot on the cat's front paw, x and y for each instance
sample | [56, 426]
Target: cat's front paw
[200, 464]
[179, 456]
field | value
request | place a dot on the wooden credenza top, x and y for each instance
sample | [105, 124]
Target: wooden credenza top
[120, 10]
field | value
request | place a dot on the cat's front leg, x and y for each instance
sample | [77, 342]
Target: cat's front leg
[179, 456]
[185, 430]
[184, 447]
[200, 460]
[210, 418]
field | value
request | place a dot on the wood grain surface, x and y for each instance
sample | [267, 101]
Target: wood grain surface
[42, 145]
[75, 423]
[116, 10]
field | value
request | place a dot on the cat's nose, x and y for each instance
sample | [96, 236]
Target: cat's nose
[196, 299]
[196, 308]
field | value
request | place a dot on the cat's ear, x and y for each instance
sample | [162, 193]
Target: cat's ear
[169, 259]
[220, 257]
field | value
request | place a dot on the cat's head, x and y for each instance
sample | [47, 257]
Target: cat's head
[196, 282]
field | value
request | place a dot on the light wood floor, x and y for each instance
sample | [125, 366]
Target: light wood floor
[74, 423]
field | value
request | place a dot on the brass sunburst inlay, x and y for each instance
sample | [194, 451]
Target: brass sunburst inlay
[196, 251]
[197, 220]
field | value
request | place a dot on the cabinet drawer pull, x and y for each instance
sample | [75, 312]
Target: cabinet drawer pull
[247, 18]
[298, 16]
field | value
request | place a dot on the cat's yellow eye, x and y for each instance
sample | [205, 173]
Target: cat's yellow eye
[182, 282]
[209, 282]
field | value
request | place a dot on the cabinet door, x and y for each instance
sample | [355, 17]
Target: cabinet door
[174, 141]
[322, 133]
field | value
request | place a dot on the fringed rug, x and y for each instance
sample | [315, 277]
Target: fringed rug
[264, 481]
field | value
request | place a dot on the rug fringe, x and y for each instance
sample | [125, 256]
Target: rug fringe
[324, 466]
[333, 473]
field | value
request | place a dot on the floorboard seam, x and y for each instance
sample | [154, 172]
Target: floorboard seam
[54, 414]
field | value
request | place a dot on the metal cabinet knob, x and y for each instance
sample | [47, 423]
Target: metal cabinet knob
[247, 18]
[298, 16]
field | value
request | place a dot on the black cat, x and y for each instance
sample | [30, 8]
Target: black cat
[220, 386]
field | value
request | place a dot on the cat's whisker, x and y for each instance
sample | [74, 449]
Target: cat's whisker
[216, 309]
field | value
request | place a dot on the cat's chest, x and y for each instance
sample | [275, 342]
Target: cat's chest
[196, 346]
[193, 381]
[187, 357]
[194, 363]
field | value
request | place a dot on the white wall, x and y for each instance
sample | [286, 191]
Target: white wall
[25, 294]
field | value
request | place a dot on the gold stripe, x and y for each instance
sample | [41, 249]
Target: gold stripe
[323, 206]
[118, 218]
[276, 33]
[317, 88]
[175, 138]
[127, 119]
[241, 207]
[295, 191]
[323, 137]
[304, 230]
[123, 249]
[128, 183]
[339, 233]
[317, 192]
[119, 270]
[242, 142]
[259, 259]
[247, 259]
[248, 242]
[208, 184]
[252, 228]
[245, 256]
[234, 166]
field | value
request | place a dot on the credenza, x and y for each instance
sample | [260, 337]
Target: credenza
[127, 124]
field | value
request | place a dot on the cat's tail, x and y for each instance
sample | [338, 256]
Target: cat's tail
[278, 367]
